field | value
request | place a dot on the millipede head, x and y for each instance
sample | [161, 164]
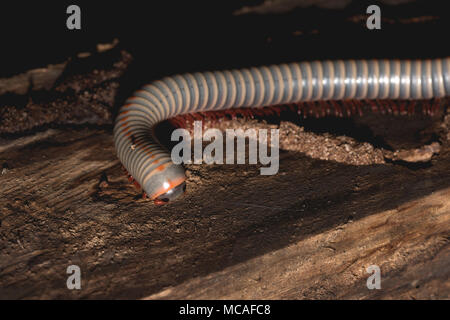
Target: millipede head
[164, 183]
[172, 194]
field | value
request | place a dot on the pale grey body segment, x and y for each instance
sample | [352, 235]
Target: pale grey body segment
[150, 163]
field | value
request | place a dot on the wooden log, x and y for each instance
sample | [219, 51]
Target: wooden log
[308, 232]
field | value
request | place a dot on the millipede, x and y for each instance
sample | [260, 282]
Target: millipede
[149, 162]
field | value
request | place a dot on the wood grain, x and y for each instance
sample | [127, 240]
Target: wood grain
[308, 232]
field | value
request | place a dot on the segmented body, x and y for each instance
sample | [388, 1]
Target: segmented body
[150, 163]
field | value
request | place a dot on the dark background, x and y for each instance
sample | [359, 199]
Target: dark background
[176, 36]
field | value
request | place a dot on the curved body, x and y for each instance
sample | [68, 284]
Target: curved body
[150, 163]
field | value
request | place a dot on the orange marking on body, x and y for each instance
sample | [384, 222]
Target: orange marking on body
[150, 153]
[172, 184]
[161, 167]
